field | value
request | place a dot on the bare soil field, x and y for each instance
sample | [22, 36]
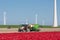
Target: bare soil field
[6, 30]
[13, 30]
[49, 29]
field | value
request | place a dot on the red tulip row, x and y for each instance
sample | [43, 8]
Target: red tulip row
[30, 36]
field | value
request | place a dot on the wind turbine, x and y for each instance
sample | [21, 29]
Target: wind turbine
[55, 24]
[36, 19]
[4, 18]
[43, 22]
[26, 21]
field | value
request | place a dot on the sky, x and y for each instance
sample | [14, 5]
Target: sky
[17, 11]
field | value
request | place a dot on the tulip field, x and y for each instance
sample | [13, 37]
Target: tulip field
[30, 36]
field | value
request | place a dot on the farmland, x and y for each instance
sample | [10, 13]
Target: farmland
[14, 28]
[10, 32]
[30, 36]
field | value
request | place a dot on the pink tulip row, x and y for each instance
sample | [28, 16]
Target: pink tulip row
[30, 36]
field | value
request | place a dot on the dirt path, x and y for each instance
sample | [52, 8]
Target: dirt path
[12, 30]
[6, 30]
[49, 29]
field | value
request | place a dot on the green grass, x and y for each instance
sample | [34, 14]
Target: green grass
[11, 26]
[46, 26]
[17, 26]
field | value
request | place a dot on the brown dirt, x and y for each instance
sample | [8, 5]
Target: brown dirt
[12, 30]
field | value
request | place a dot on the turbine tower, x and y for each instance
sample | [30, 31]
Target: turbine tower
[4, 18]
[43, 22]
[36, 19]
[26, 21]
[55, 24]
